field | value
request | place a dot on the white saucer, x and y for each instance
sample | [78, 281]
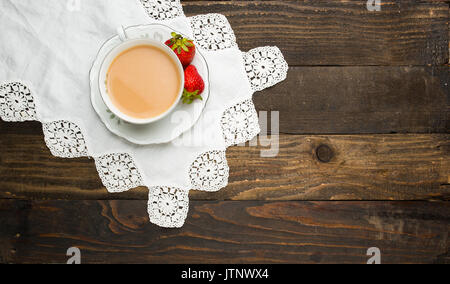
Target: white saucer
[165, 130]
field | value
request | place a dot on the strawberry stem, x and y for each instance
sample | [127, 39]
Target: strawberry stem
[178, 43]
[189, 97]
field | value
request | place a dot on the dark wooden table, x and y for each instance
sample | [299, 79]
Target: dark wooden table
[363, 161]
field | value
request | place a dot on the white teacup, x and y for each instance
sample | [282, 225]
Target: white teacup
[125, 45]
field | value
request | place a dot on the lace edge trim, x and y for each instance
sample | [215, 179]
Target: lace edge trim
[162, 10]
[265, 67]
[167, 206]
[213, 32]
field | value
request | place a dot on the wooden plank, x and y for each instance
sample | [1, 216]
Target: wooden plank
[351, 167]
[327, 100]
[344, 100]
[339, 32]
[226, 232]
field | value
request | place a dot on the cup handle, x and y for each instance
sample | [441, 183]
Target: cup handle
[122, 33]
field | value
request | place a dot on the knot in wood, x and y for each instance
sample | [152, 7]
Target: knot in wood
[324, 153]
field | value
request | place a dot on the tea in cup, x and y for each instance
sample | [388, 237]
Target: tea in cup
[141, 81]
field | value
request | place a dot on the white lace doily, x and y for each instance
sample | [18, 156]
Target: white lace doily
[71, 128]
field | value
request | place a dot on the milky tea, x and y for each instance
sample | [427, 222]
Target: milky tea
[143, 81]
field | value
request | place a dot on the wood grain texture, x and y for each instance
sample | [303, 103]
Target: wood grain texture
[327, 100]
[339, 32]
[345, 100]
[226, 232]
[361, 167]
[264, 216]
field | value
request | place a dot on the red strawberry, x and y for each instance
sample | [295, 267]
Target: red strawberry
[184, 48]
[193, 85]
